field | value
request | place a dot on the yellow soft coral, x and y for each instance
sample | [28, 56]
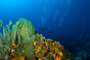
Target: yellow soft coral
[57, 58]
[60, 53]
[41, 59]
[35, 42]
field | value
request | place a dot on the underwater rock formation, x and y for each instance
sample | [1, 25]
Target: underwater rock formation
[24, 43]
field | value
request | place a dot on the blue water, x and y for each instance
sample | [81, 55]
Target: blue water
[60, 20]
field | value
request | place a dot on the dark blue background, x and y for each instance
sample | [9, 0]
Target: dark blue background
[75, 15]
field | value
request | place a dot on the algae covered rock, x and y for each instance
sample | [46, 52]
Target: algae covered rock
[24, 32]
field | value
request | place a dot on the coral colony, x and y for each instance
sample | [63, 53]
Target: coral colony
[24, 43]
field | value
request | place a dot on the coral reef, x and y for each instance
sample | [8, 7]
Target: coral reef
[24, 43]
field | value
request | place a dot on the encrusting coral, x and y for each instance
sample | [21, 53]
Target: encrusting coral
[24, 43]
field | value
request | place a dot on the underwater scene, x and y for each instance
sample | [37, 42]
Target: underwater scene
[44, 29]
